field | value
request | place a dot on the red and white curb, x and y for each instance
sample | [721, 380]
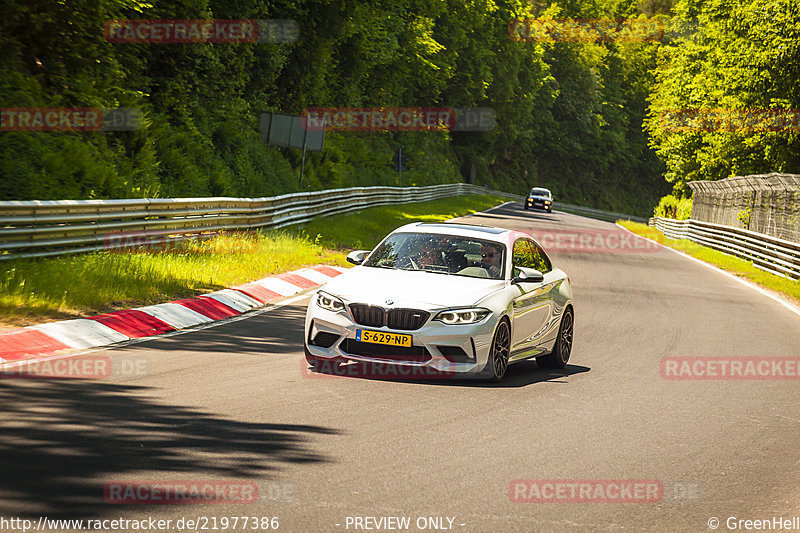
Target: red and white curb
[120, 326]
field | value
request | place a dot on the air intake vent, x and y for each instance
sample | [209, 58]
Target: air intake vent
[454, 354]
[325, 339]
[417, 354]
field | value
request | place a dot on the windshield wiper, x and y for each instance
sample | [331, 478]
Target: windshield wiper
[435, 270]
[439, 272]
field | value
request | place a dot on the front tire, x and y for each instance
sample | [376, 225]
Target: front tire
[498, 357]
[559, 357]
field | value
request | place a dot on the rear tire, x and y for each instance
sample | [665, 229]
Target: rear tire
[559, 357]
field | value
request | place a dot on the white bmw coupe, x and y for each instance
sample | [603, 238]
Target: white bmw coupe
[456, 299]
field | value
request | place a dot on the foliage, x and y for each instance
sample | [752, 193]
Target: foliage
[744, 217]
[569, 115]
[672, 207]
[736, 55]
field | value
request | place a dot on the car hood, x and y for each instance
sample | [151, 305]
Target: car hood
[539, 197]
[413, 289]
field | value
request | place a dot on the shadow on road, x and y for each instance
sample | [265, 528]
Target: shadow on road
[278, 331]
[518, 375]
[529, 373]
[62, 440]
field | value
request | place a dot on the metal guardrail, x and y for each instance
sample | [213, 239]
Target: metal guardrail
[769, 253]
[48, 228]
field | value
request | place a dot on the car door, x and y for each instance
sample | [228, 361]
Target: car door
[531, 307]
[551, 292]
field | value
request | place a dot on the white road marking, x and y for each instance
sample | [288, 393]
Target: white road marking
[313, 275]
[284, 288]
[175, 315]
[81, 333]
[234, 299]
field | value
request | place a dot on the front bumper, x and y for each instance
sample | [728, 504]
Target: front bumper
[538, 204]
[437, 347]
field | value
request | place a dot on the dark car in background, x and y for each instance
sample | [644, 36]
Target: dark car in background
[539, 198]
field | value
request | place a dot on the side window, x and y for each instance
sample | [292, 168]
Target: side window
[529, 254]
[540, 259]
[522, 256]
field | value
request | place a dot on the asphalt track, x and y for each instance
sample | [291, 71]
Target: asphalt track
[236, 402]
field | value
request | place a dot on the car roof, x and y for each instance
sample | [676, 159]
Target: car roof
[539, 189]
[475, 231]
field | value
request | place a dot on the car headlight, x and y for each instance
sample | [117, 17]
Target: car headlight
[331, 303]
[462, 316]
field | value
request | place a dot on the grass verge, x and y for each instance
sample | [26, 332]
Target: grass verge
[364, 229]
[38, 290]
[739, 267]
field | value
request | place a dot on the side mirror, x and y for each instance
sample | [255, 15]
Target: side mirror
[527, 275]
[357, 257]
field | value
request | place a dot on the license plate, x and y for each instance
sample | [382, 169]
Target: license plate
[380, 337]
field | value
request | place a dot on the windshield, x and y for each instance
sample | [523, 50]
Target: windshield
[540, 192]
[444, 254]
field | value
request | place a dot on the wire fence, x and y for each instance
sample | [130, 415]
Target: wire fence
[767, 204]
